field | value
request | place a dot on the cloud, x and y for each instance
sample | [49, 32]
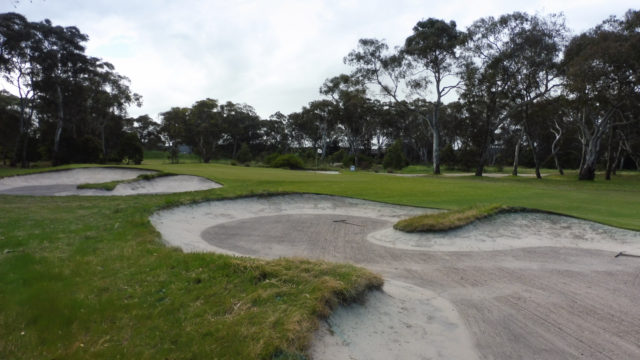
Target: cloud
[273, 55]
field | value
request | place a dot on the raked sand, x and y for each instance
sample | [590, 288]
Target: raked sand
[65, 182]
[528, 286]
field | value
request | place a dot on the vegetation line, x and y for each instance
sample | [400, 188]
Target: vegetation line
[110, 185]
[454, 219]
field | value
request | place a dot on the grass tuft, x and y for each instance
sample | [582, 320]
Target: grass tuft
[110, 185]
[452, 219]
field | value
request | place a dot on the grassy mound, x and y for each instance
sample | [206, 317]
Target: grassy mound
[110, 185]
[451, 219]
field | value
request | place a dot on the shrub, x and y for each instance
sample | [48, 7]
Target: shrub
[290, 161]
[338, 156]
[394, 157]
[131, 149]
[269, 159]
[244, 155]
[88, 150]
[364, 162]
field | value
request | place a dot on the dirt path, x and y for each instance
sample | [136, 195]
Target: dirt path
[530, 302]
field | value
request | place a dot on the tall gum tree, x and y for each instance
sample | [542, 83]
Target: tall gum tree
[428, 58]
[603, 79]
[510, 63]
[432, 47]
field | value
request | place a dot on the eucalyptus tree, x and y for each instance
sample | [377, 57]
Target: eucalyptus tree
[109, 96]
[426, 62]
[240, 124]
[353, 110]
[9, 123]
[62, 88]
[204, 128]
[534, 47]
[510, 64]
[602, 77]
[173, 126]
[146, 129]
[432, 47]
[320, 114]
[19, 68]
[274, 134]
[60, 53]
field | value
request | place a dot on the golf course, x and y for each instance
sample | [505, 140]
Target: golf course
[90, 276]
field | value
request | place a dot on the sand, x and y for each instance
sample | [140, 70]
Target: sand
[65, 182]
[545, 287]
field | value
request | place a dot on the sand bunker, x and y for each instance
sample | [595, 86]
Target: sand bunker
[65, 182]
[541, 288]
[516, 230]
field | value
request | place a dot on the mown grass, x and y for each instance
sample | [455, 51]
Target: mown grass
[87, 277]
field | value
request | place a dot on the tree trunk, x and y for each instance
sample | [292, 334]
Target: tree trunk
[516, 156]
[104, 146]
[588, 170]
[235, 147]
[555, 148]
[532, 146]
[59, 126]
[609, 154]
[558, 166]
[582, 151]
[617, 158]
[25, 146]
[435, 124]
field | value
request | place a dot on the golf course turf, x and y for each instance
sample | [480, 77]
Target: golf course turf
[88, 277]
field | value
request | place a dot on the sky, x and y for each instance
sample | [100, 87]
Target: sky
[271, 54]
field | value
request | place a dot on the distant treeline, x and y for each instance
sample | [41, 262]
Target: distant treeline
[526, 92]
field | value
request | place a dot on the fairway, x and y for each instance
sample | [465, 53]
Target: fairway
[89, 276]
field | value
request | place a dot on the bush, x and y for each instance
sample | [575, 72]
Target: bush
[290, 161]
[88, 150]
[131, 149]
[269, 159]
[244, 155]
[394, 157]
[364, 162]
[338, 156]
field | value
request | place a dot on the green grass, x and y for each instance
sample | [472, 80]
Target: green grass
[87, 277]
[452, 219]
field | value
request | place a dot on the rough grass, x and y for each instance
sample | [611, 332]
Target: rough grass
[452, 219]
[87, 277]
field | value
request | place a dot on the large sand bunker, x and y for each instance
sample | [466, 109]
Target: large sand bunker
[65, 182]
[545, 287]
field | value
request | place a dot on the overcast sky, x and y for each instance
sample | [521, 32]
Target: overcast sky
[270, 54]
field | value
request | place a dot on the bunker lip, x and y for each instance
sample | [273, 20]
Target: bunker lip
[183, 227]
[513, 300]
[65, 182]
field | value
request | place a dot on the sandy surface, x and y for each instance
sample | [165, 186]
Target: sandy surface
[493, 175]
[326, 172]
[65, 182]
[522, 300]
